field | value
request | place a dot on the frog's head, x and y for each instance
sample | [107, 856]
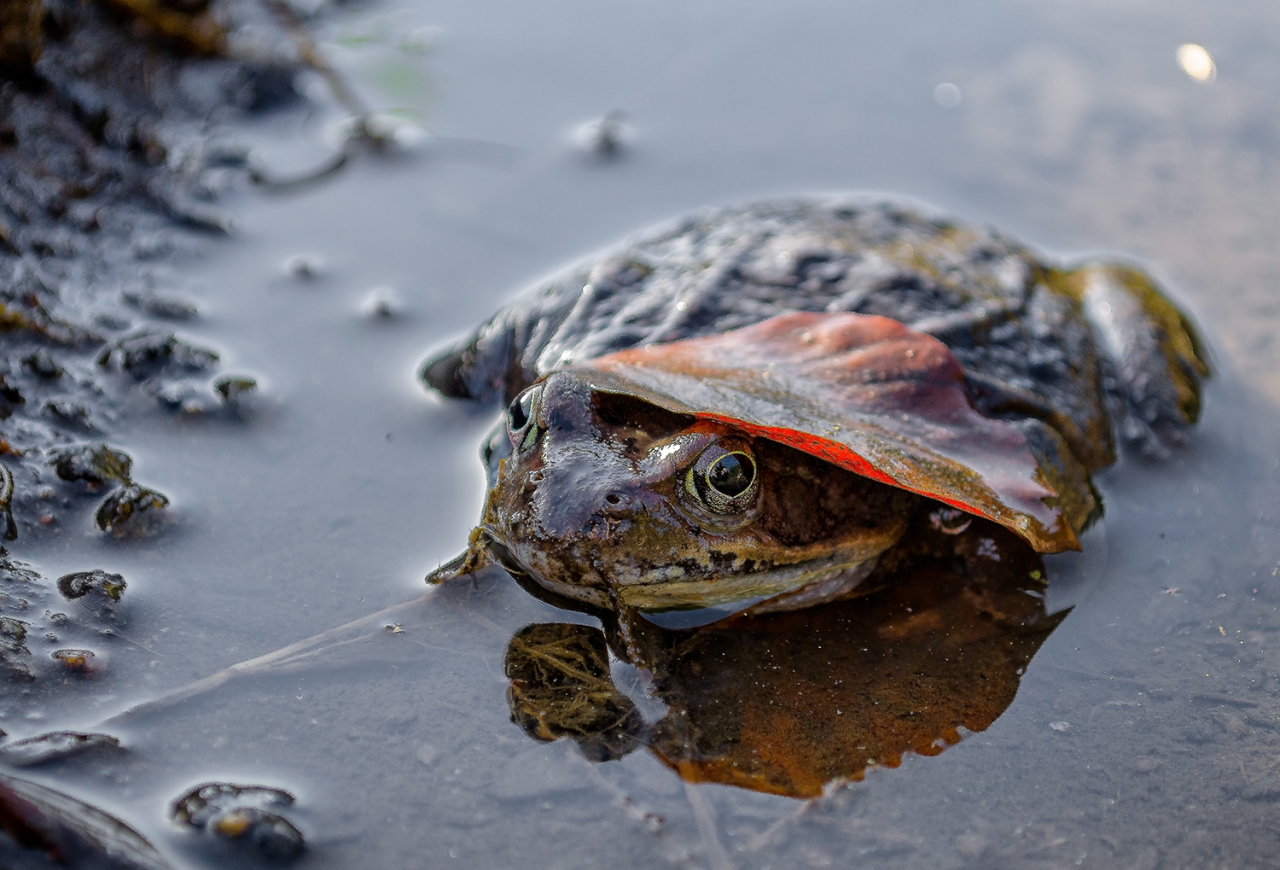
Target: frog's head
[615, 502]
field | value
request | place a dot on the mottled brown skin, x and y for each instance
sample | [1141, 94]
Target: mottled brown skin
[594, 504]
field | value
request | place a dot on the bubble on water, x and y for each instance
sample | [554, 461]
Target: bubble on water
[948, 95]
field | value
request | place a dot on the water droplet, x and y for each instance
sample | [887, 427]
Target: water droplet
[948, 95]
[1196, 62]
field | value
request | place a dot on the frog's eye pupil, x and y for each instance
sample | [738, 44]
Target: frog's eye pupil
[732, 474]
[724, 479]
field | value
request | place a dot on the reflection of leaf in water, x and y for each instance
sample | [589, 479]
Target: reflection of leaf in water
[789, 703]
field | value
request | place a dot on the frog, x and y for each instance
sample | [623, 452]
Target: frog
[756, 408]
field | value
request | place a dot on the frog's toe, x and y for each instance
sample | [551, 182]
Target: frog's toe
[1156, 360]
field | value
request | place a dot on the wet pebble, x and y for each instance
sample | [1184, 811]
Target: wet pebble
[604, 138]
[381, 303]
[101, 586]
[54, 746]
[81, 662]
[14, 655]
[163, 307]
[243, 814]
[148, 354]
[132, 512]
[305, 267]
[95, 464]
[71, 414]
[42, 365]
[235, 389]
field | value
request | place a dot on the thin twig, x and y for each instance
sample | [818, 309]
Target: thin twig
[282, 656]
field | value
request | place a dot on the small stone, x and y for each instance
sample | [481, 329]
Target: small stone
[243, 814]
[54, 746]
[95, 464]
[605, 138]
[1060, 726]
[232, 389]
[132, 512]
[381, 303]
[164, 307]
[305, 267]
[81, 583]
[42, 365]
[79, 661]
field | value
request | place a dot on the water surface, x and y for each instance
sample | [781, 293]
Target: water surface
[1145, 730]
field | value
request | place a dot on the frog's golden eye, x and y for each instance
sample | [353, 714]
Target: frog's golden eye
[521, 415]
[724, 478]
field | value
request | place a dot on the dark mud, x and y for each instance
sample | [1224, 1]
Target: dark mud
[111, 162]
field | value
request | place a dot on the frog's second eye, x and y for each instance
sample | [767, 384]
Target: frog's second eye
[723, 479]
[520, 416]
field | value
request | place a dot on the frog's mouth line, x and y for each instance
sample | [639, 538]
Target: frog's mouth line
[688, 604]
[675, 603]
[799, 584]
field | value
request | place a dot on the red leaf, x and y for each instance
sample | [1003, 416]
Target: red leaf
[863, 392]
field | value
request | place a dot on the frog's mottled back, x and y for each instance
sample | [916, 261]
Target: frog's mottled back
[1093, 351]
[889, 365]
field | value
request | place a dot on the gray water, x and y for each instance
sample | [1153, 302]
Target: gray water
[1146, 732]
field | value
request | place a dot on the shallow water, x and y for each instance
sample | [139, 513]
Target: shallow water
[1146, 731]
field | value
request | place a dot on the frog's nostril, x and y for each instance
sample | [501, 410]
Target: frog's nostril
[613, 498]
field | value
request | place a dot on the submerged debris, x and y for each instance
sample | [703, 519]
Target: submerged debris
[242, 814]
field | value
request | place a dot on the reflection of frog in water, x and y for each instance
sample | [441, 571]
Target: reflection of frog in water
[749, 411]
[788, 702]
